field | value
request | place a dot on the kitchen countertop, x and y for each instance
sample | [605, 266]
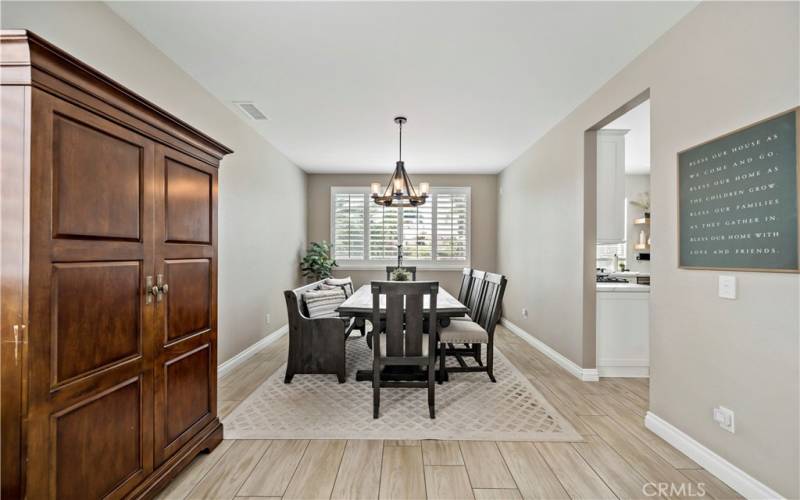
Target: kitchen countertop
[622, 287]
[628, 274]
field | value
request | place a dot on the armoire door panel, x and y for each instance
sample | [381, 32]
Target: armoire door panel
[185, 255]
[187, 391]
[188, 299]
[188, 203]
[97, 182]
[91, 341]
[96, 316]
[97, 444]
[185, 399]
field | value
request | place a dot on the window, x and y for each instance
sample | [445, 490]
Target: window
[418, 232]
[383, 232]
[451, 223]
[437, 233]
[348, 215]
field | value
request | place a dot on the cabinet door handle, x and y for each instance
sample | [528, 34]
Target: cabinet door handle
[150, 289]
[16, 342]
[161, 288]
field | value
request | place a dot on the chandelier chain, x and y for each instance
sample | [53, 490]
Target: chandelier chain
[400, 154]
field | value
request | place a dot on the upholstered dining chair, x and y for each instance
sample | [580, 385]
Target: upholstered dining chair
[466, 283]
[471, 298]
[479, 331]
[474, 293]
[411, 269]
[404, 343]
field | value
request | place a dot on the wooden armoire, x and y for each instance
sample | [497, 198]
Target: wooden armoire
[109, 282]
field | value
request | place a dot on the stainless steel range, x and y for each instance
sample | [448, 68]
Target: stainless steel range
[610, 279]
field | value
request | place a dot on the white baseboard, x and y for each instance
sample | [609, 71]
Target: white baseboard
[624, 371]
[624, 368]
[585, 374]
[744, 484]
[248, 353]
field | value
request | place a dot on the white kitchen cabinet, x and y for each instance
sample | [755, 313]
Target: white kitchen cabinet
[610, 186]
[623, 330]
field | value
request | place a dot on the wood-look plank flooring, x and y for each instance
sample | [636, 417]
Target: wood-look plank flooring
[617, 459]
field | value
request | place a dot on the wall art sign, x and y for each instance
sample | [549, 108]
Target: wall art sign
[737, 199]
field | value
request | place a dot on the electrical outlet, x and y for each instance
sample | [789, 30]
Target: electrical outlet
[727, 287]
[724, 417]
[268, 318]
[524, 313]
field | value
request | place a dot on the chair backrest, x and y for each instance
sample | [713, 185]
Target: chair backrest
[475, 293]
[411, 269]
[494, 287]
[404, 316]
[466, 283]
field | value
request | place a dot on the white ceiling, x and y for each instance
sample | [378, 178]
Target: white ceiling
[479, 82]
[637, 140]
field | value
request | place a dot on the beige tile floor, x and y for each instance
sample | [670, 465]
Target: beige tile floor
[618, 458]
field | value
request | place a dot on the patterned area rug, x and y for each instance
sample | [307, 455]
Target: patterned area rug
[468, 407]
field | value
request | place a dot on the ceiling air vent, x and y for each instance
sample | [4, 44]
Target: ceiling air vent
[251, 110]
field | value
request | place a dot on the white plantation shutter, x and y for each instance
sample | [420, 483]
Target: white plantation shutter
[383, 232]
[348, 235]
[436, 232]
[418, 232]
[452, 220]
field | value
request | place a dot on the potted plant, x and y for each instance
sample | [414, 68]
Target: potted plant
[400, 274]
[318, 262]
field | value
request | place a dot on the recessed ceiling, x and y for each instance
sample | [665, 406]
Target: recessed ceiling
[479, 82]
[637, 140]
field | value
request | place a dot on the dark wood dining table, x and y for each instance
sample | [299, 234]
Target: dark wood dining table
[359, 306]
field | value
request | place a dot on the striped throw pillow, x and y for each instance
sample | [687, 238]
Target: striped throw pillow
[345, 284]
[323, 303]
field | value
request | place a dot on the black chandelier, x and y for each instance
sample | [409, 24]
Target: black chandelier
[400, 191]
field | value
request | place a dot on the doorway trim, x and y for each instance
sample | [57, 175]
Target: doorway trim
[589, 312]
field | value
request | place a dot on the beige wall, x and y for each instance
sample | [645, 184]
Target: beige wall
[725, 65]
[258, 253]
[483, 217]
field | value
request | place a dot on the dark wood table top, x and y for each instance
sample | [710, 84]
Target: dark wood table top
[360, 304]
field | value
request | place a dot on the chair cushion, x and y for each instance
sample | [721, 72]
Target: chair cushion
[345, 284]
[323, 303]
[464, 332]
[424, 344]
[462, 318]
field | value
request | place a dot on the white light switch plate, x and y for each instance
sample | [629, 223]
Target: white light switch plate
[727, 287]
[725, 418]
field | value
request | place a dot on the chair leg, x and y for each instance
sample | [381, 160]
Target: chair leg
[442, 370]
[376, 390]
[490, 360]
[477, 350]
[288, 378]
[432, 389]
